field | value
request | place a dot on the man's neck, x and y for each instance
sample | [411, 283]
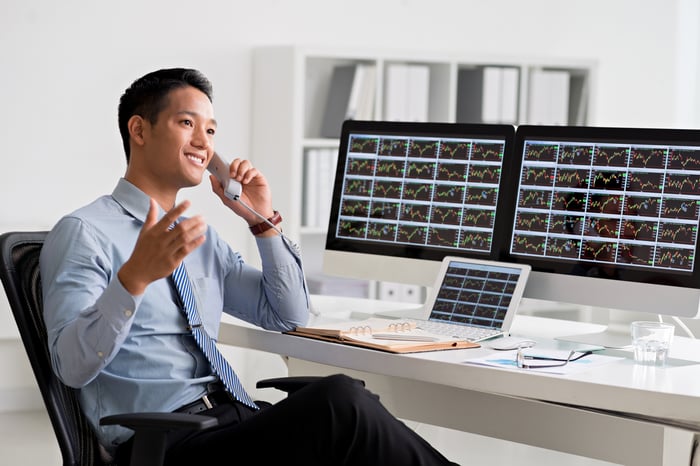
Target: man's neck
[165, 197]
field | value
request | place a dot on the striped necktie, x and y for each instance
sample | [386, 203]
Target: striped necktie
[206, 343]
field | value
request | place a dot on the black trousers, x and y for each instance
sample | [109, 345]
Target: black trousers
[334, 421]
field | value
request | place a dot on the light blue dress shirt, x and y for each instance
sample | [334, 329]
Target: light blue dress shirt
[133, 353]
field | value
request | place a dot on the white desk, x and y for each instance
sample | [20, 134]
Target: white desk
[590, 414]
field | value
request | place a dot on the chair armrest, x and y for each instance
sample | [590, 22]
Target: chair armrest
[160, 421]
[287, 384]
[151, 430]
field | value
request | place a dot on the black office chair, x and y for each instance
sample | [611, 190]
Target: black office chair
[19, 272]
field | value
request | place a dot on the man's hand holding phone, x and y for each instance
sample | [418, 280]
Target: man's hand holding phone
[254, 191]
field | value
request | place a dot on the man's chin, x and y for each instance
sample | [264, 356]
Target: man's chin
[191, 182]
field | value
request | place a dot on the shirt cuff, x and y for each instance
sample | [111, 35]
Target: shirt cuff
[119, 304]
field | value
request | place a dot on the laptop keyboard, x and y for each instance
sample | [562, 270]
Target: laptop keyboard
[463, 332]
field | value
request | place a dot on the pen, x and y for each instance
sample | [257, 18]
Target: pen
[404, 337]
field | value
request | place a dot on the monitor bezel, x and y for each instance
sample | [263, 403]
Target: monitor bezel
[623, 272]
[421, 129]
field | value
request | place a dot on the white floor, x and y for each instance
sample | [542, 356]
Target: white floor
[26, 439]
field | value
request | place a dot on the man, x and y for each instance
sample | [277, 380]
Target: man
[119, 324]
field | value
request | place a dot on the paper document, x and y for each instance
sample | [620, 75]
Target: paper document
[507, 360]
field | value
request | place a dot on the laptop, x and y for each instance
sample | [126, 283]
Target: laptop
[474, 299]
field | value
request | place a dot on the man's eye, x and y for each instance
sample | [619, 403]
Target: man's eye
[211, 131]
[187, 122]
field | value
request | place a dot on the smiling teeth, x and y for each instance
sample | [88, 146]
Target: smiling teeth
[196, 159]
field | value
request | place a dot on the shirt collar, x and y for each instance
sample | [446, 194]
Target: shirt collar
[133, 200]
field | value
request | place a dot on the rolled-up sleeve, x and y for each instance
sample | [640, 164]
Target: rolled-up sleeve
[277, 297]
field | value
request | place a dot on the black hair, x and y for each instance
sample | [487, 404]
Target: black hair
[148, 96]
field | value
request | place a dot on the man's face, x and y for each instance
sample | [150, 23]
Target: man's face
[178, 147]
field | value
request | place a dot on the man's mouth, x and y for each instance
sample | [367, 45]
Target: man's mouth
[196, 158]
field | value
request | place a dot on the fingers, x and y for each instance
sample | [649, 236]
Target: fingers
[187, 235]
[243, 171]
[255, 193]
[216, 186]
[160, 248]
[173, 214]
[189, 231]
[180, 239]
[152, 215]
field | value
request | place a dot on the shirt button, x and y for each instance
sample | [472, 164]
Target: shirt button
[128, 312]
[100, 354]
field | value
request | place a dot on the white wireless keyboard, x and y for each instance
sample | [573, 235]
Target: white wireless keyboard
[463, 332]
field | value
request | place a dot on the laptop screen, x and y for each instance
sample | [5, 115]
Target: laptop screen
[478, 293]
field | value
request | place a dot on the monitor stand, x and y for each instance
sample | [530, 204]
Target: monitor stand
[616, 334]
[607, 338]
[408, 313]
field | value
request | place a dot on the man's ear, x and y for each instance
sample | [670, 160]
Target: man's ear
[136, 128]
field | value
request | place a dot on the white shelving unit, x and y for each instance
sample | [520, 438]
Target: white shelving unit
[291, 86]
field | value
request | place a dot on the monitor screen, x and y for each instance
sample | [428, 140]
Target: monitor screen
[416, 191]
[618, 204]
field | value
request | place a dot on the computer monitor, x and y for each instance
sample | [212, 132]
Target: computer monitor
[608, 217]
[408, 194]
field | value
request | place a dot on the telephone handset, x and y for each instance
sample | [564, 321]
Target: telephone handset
[220, 169]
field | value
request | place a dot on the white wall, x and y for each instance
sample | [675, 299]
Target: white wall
[64, 65]
[687, 84]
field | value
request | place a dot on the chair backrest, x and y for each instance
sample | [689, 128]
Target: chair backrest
[19, 272]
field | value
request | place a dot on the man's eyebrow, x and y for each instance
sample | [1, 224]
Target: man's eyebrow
[195, 114]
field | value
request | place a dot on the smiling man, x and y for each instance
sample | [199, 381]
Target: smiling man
[126, 276]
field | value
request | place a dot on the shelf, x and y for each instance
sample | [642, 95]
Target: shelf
[288, 113]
